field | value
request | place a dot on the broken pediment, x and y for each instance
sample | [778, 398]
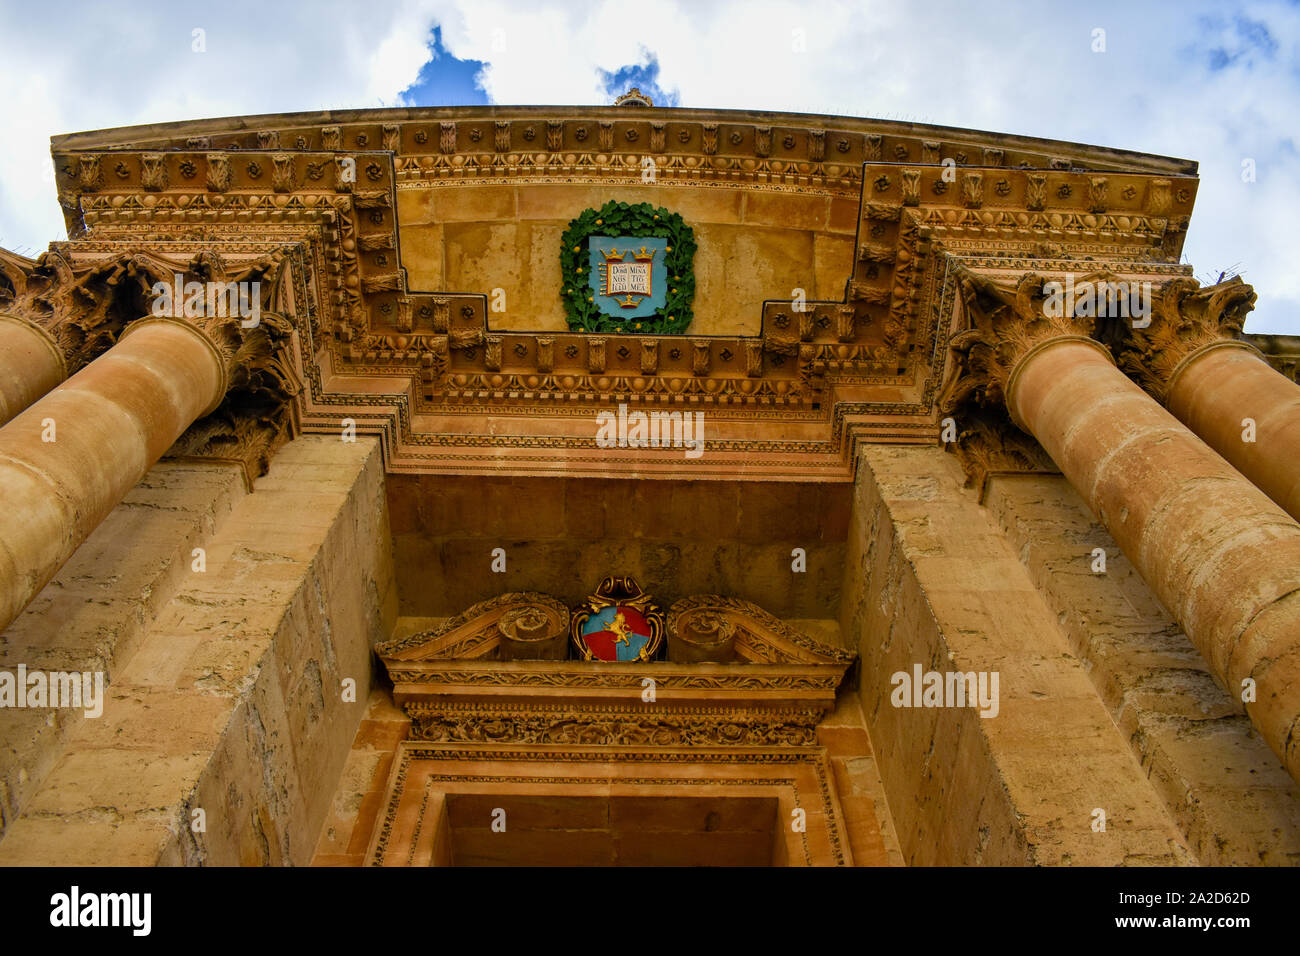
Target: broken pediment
[516, 625]
[528, 625]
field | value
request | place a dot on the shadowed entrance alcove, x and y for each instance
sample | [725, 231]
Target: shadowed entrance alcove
[521, 753]
[537, 829]
[608, 806]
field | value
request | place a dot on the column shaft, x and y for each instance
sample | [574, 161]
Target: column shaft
[1217, 389]
[31, 364]
[109, 423]
[1223, 558]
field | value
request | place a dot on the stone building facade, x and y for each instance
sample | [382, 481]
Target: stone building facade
[989, 553]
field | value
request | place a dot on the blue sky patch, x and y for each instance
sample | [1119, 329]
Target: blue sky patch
[445, 80]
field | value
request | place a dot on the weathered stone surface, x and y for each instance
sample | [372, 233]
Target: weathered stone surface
[1232, 799]
[96, 613]
[930, 581]
[234, 703]
[421, 308]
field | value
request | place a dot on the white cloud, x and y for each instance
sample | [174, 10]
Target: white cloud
[1012, 68]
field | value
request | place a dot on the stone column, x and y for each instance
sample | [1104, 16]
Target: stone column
[67, 460]
[1192, 358]
[1222, 557]
[31, 363]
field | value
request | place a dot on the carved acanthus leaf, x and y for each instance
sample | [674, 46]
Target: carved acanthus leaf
[1001, 323]
[84, 308]
[987, 443]
[1186, 319]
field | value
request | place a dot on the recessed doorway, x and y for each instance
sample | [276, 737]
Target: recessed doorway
[549, 830]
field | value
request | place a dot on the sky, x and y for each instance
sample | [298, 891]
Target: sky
[1215, 82]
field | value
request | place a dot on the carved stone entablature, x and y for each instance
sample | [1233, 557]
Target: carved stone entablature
[371, 348]
[701, 145]
[1188, 318]
[344, 204]
[459, 683]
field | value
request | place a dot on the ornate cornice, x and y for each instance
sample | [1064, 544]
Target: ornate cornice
[790, 402]
[1188, 320]
[470, 139]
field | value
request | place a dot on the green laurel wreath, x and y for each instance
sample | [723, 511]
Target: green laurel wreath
[638, 220]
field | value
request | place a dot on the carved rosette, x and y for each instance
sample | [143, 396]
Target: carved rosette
[1002, 324]
[477, 631]
[701, 634]
[535, 631]
[1187, 320]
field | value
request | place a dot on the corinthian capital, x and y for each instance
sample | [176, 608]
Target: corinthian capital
[85, 302]
[1003, 322]
[1188, 319]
